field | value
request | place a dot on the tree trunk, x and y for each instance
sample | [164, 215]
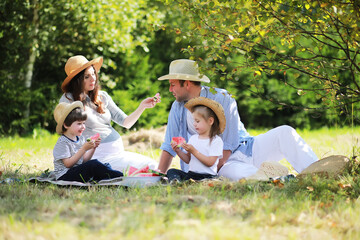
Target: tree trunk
[32, 57]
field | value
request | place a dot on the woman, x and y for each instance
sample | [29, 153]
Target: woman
[82, 84]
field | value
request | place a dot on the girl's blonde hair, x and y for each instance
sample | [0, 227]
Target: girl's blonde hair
[207, 113]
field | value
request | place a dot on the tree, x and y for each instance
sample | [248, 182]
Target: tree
[309, 46]
[37, 37]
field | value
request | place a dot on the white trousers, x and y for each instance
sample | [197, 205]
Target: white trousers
[274, 145]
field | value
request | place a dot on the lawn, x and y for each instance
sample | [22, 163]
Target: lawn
[311, 208]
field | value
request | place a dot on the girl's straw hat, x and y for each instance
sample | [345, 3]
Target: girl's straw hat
[213, 105]
[76, 64]
[184, 69]
[62, 110]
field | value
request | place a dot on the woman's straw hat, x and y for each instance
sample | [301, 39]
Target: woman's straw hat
[184, 69]
[76, 64]
[62, 110]
[213, 105]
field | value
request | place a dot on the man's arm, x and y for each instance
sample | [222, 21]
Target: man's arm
[165, 161]
[222, 161]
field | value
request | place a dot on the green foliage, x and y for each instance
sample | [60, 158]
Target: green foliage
[308, 46]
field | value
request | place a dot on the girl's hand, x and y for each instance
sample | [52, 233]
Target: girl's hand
[174, 146]
[188, 147]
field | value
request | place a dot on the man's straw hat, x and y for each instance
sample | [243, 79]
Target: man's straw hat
[62, 110]
[76, 64]
[184, 69]
[334, 166]
[213, 105]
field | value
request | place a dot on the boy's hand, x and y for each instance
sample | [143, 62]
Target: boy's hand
[97, 142]
[88, 145]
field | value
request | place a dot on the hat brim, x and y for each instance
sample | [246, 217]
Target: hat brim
[72, 106]
[97, 63]
[213, 105]
[332, 165]
[199, 78]
[269, 170]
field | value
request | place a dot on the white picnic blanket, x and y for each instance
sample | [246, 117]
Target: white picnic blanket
[120, 181]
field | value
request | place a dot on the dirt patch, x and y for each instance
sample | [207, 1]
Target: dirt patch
[144, 139]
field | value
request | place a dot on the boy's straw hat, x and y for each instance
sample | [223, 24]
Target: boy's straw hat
[62, 110]
[76, 64]
[213, 105]
[184, 69]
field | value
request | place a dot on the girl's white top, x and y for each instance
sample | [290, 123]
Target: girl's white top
[204, 146]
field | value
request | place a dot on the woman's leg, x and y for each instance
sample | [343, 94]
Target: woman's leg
[122, 161]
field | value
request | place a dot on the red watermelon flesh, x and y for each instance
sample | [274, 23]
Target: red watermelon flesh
[93, 138]
[142, 172]
[178, 140]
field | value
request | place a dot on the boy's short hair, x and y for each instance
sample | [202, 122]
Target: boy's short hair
[77, 114]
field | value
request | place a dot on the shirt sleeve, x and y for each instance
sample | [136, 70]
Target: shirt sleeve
[172, 129]
[61, 151]
[117, 115]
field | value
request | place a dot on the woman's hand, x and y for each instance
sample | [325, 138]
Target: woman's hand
[148, 103]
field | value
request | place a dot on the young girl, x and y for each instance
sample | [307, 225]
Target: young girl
[204, 148]
[72, 153]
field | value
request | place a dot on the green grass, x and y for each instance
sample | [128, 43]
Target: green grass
[312, 208]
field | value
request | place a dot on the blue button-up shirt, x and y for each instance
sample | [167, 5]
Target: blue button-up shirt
[235, 136]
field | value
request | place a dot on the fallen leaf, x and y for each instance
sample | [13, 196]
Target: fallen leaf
[343, 186]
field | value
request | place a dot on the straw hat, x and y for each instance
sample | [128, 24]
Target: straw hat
[213, 105]
[333, 165]
[76, 64]
[62, 110]
[269, 170]
[185, 69]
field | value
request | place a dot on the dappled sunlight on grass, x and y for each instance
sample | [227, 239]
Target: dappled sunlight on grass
[308, 208]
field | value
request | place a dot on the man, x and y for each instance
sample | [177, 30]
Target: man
[242, 154]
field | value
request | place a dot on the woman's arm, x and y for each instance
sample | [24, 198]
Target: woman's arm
[130, 120]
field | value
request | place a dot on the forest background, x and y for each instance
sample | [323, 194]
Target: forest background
[285, 62]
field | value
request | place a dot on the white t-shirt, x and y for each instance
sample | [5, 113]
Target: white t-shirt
[215, 148]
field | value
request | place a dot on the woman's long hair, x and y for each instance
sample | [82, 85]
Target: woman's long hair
[76, 88]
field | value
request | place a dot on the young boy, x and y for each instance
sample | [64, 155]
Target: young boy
[72, 153]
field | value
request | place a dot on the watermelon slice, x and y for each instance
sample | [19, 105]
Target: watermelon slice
[178, 140]
[157, 97]
[142, 172]
[93, 138]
